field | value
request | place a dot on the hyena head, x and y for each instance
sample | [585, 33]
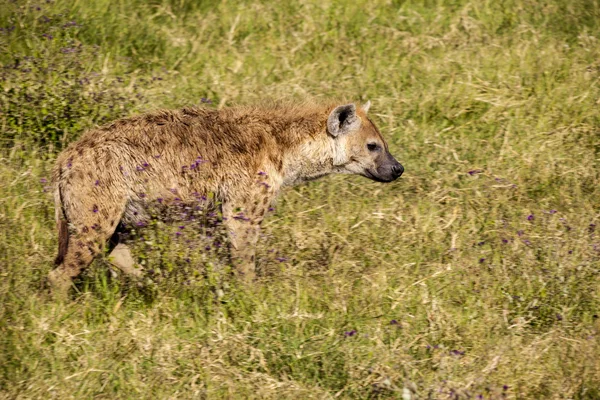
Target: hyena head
[358, 147]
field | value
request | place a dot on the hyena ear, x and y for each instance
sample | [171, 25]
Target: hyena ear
[365, 107]
[342, 120]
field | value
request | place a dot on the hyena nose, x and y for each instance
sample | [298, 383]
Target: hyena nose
[397, 170]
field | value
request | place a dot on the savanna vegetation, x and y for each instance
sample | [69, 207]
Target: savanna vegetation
[476, 275]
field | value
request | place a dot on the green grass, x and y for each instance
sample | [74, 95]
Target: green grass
[437, 286]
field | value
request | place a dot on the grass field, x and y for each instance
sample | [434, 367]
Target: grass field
[476, 275]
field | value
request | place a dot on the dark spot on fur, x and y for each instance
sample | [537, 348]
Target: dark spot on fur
[78, 254]
[265, 200]
[85, 229]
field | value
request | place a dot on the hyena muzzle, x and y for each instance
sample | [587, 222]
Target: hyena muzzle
[109, 176]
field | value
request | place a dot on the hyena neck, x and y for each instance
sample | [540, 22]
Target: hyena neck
[310, 160]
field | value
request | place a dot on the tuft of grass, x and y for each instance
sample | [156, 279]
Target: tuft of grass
[474, 276]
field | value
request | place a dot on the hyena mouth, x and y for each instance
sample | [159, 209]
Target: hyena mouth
[377, 178]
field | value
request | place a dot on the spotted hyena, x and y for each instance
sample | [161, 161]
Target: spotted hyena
[109, 176]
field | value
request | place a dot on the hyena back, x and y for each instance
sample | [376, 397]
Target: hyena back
[242, 155]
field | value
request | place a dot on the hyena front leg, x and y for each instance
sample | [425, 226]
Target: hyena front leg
[243, 225]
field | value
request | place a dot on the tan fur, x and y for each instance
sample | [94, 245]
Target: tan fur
[244, 155]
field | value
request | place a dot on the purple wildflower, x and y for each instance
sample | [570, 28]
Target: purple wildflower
[271, 209]
[504, 241]
[174, 191]
[160, 200]
[520, 232]
[393, 322]
[69, 163]
[48, 36]
[281, 259]
[206, 100]
[527, 242]
[457, 353]
[530, 217]
[97, 183]
[350, 333]
[481, 260]
[262, 173]
[95, 208]
[553, 211]
[157, 156]
[177, 233]
[559, 317]
[570, 251]
[481, 243]
[141, 223]
[474, 172]
[43, 180]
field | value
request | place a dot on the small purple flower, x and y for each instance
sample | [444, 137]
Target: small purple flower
[474, 172]
[145, 165]
[527, 242]
[178, 234]
[394, 322]
[141, 223]
[592, 228]
[95, 208]
[174, 191]
[559, 317]
[505, 388]
[481, 243]
[142, 195]
[271, 209]
[160, 200]
[350, 333]
[48, 36]
[157, 156]
[43, 180]
[265, 184]
[553, 211]
[481, 260]
[97, 183]
[504, 241]
[206, 100]
[262, 173]
[181, 227]
[281, 259]
[520, 232]
[570, 251]
[530, 217]
[69, 163]
[457, 353]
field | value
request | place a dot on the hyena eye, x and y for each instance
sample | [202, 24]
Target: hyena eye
[373, 146]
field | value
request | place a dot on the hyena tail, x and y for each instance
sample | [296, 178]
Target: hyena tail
[61, 220]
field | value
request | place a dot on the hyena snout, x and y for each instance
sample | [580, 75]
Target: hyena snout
[387, 171]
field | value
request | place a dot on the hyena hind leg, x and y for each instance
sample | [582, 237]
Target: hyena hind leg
[120, 254]
[121, 257]
[77, 257]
